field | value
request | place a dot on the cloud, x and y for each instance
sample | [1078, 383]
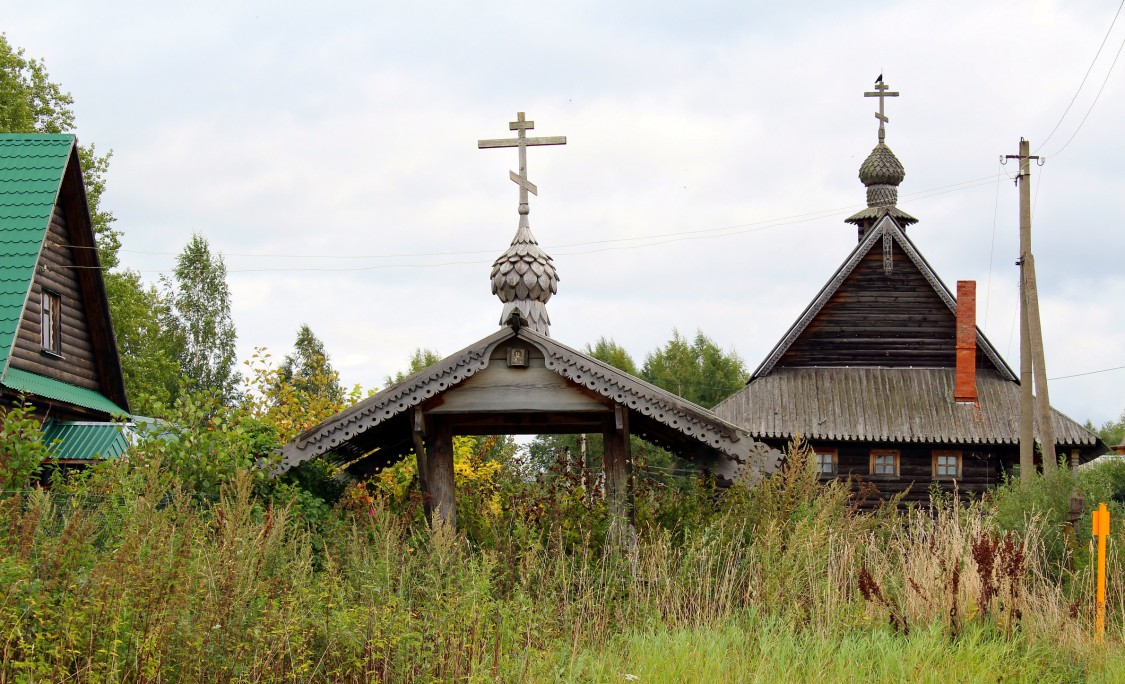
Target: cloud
[734, 131]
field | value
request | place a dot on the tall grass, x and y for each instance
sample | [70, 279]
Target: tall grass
[126, 577]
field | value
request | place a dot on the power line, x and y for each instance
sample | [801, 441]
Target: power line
[1094, 372]
[1083, 83]
[612, 244]
[992, 245]
[1095, 102]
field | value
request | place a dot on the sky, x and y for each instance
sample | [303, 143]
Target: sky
[329, 153]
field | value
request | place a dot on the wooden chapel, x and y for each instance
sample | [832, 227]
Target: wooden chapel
[519, 380]
[887, 375]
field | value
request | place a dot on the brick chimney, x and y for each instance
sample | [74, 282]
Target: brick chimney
[965, 389]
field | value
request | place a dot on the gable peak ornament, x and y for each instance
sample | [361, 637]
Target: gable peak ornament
[524, 277]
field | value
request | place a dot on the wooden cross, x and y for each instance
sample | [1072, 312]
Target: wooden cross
[522, 142]
[881, 93]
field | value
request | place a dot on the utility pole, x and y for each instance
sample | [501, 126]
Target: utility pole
[1032, 360]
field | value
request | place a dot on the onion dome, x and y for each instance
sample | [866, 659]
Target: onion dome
[524, 277]
[881, 167]
[881, 173]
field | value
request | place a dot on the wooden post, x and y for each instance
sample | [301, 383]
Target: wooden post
[418, 432]
[439, 453]
[617, 464]
[1027, 409]
[1039, 362]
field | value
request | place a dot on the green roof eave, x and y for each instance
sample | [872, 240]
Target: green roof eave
[84, 441]
[57, 390]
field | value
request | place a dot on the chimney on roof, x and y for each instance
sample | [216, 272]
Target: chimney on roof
[965, 387]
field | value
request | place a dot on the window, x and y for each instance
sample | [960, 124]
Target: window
[884, 462]
[947, 464]
[827, 462]
[50, 331]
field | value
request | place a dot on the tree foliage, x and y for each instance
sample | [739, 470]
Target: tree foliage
[30, 102]
[1112, 432]
[22, 450]
[697, 370]
[308, 368]
[148, 350]
[199, 315]
[608, 351]
[421, 358]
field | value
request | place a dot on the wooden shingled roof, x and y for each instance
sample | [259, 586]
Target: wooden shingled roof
[872, 359]
[377, 431]
[886, 405]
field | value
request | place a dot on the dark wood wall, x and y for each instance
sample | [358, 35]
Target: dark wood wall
[983, 467]
[56, 271]
[880, 319]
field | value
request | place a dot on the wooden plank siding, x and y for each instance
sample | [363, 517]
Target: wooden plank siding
[881, 319]
[56, 271]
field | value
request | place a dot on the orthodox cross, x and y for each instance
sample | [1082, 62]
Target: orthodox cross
[521, 125]
[881, 92]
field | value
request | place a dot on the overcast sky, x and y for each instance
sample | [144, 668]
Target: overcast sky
[330, 154]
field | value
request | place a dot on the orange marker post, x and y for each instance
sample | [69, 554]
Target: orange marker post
[1101, 531]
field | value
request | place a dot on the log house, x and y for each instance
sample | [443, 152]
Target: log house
[57, 348]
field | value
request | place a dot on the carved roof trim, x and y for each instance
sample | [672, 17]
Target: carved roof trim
[886, 225]
[749, 460]
[396, 399]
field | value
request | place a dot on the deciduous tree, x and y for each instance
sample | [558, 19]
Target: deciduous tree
[308, 368]
[148, 350]
[199, 316]
[699, 370]
[30, 102]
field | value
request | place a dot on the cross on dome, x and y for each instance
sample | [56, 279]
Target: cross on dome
[881, 93]
[522, 126]
[524, 277]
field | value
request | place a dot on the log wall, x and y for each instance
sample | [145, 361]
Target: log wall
[56, 272]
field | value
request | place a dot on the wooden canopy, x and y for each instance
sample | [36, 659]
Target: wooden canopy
[518, 381]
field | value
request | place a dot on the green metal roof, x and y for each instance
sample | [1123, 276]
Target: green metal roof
[31, 172]
[33, 383]
[82, 440]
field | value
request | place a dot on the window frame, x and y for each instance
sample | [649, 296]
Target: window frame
[875, 453]
[835, 454]
[940, 453]
[50, 322]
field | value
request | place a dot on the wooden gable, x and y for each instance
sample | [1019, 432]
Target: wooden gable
[65, 264]
[885, 307]
[515, 392]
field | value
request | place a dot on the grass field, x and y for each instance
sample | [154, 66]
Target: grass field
[126, 576]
